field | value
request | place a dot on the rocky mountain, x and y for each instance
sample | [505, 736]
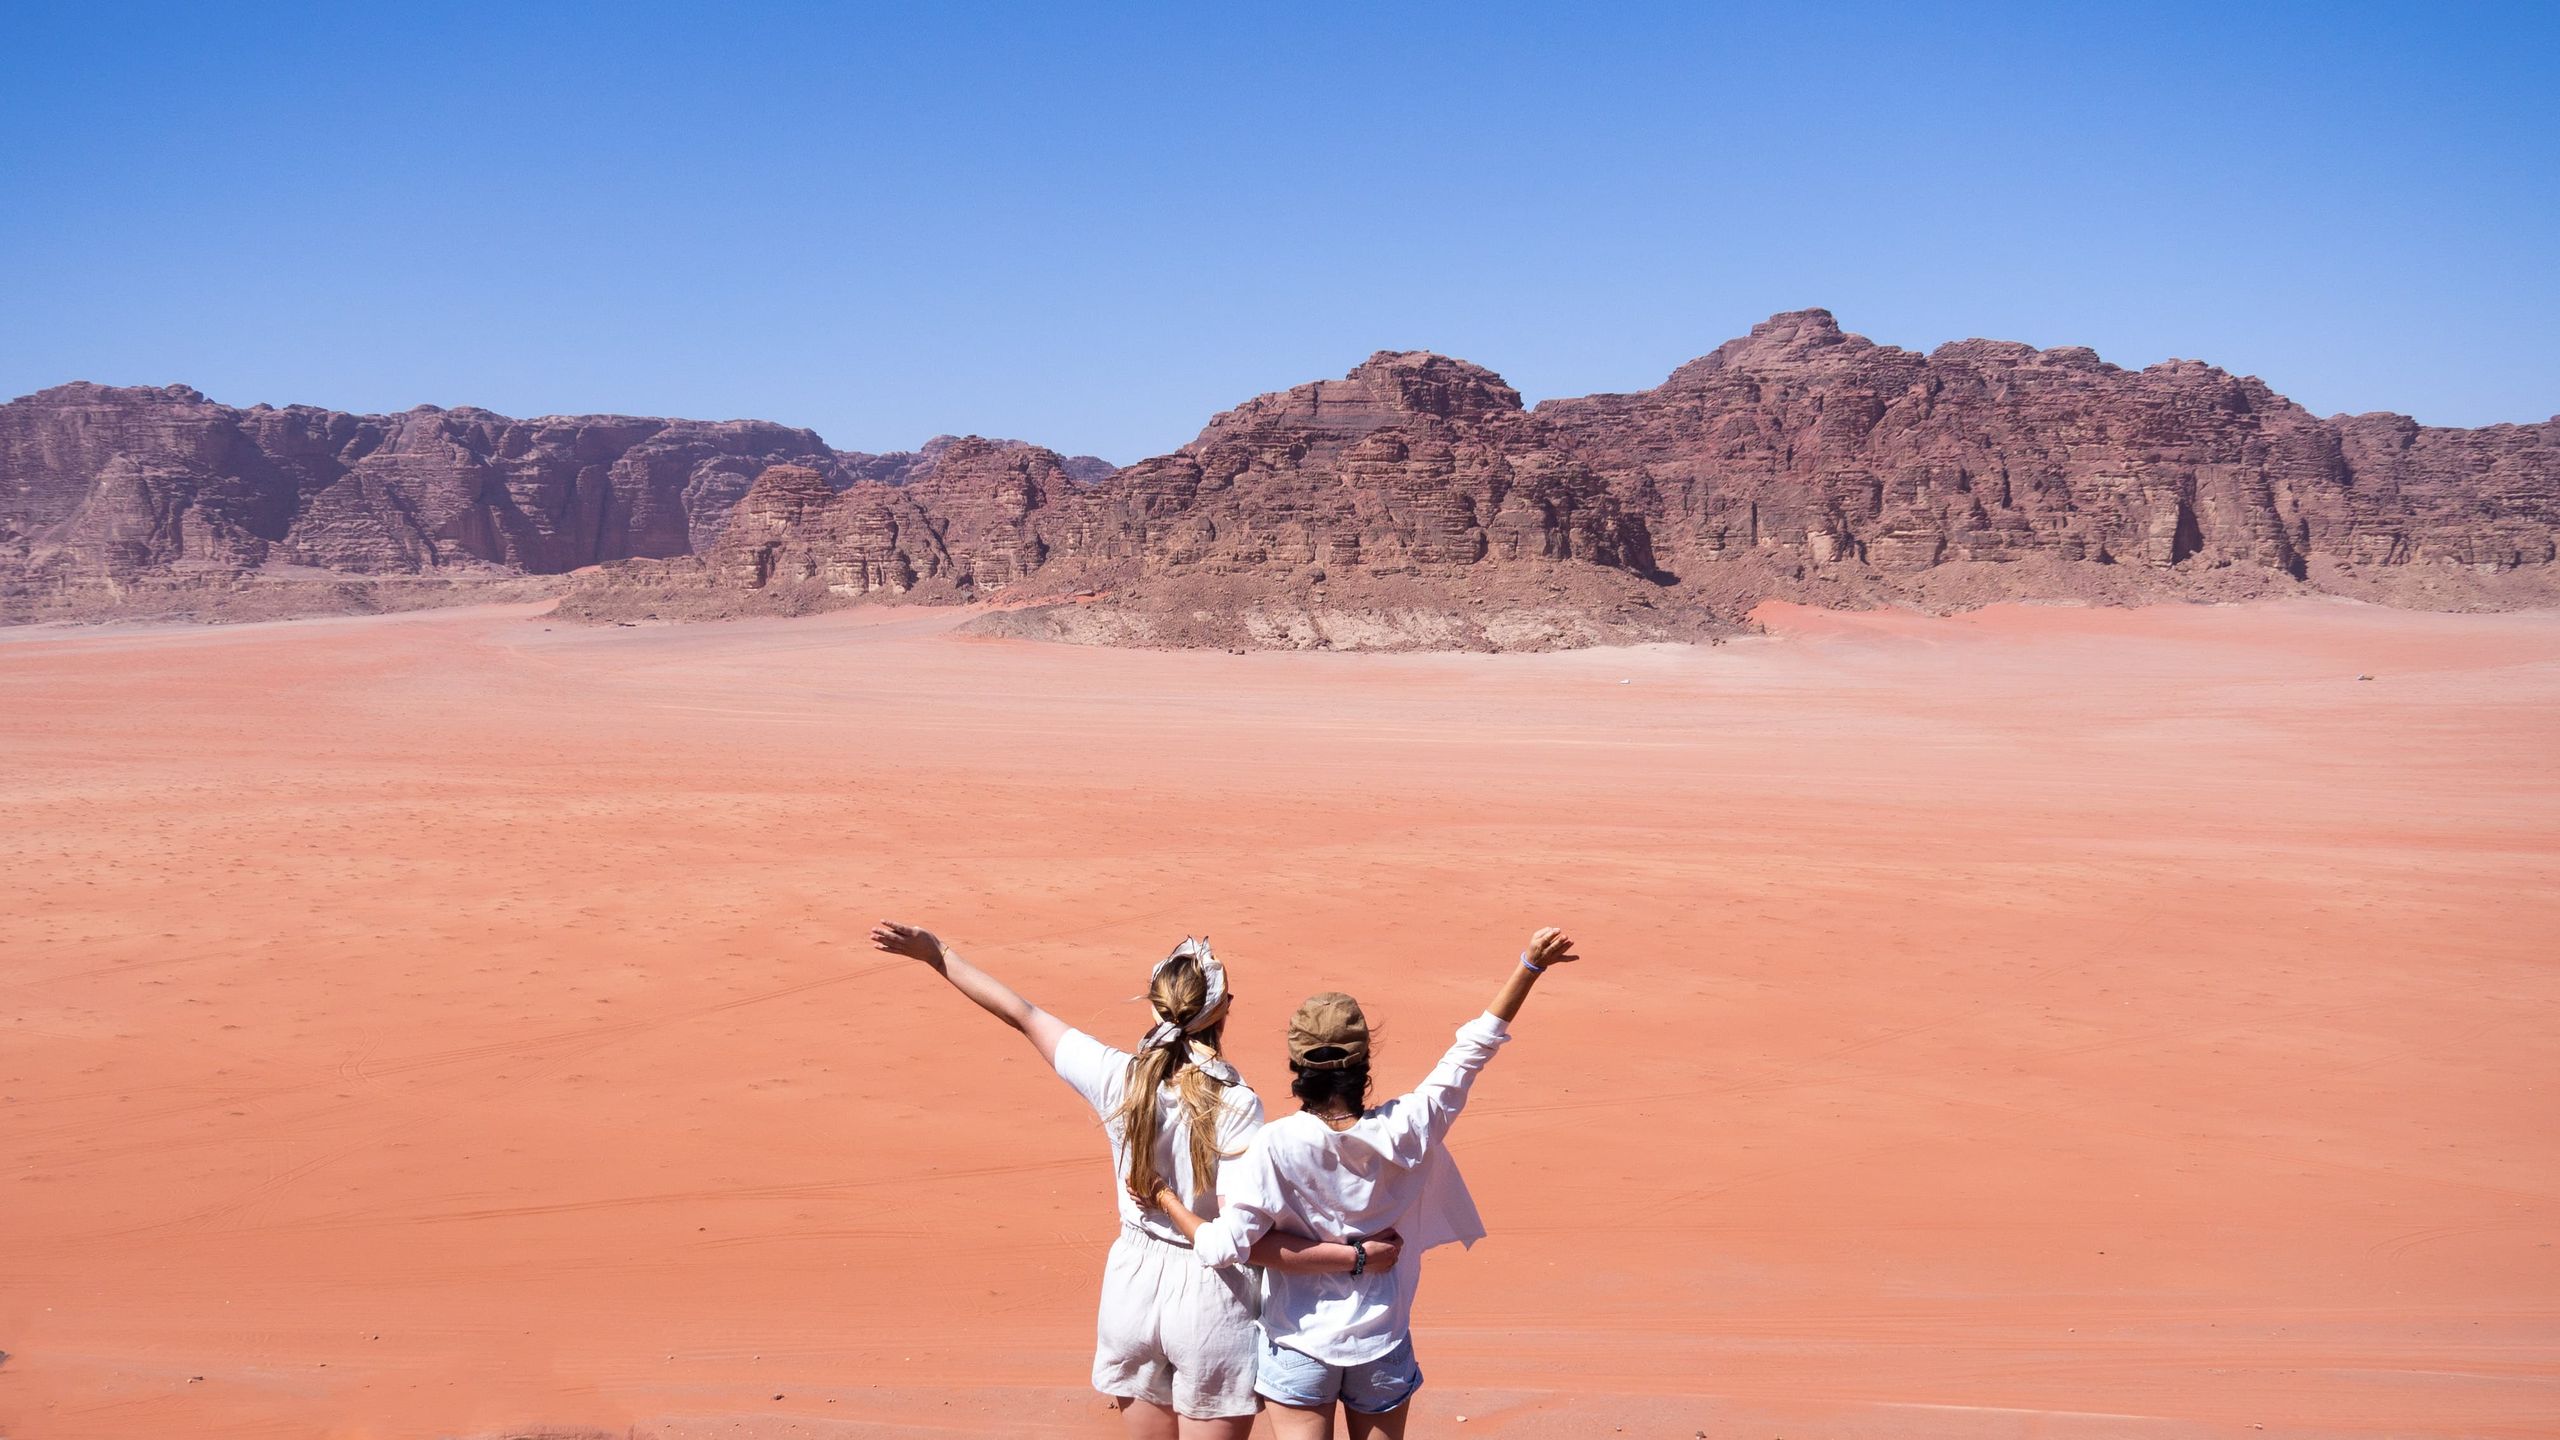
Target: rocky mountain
[141, 501]
[1415, 501]
[1805, 441]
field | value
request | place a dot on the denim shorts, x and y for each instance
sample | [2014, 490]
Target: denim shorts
[1372, 1387]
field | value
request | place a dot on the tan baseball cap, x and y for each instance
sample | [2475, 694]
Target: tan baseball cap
[1328, 1033]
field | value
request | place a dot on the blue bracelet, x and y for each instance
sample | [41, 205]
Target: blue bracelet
[1532, 969]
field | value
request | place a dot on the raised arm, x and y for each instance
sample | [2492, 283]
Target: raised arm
[992, 995]
[1411, 1124]
[1546, 948]
[1284, 1250]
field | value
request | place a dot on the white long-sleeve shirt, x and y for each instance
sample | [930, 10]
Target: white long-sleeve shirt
[1390, 1171]
[1100, 1074]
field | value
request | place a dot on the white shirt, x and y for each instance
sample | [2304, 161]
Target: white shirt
[1101, 1075]
[1390, 1170]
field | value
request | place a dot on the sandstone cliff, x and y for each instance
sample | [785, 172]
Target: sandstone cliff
[1415, 501]
[1822, 451]
[118, 501]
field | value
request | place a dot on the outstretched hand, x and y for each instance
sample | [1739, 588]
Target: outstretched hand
[907, 940]
[1547, 949]
[1551, 946]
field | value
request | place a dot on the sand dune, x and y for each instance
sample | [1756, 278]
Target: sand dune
[2043, 1022]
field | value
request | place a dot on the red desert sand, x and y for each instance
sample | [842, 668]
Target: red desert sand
[2043, 1022]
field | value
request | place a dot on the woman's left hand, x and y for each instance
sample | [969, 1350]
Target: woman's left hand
[1548, 947]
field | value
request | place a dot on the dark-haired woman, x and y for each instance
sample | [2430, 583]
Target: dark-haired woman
[1341, 1168]
[1175, 1346]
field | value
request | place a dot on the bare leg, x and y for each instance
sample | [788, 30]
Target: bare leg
[1146, 1420]
[1294, 1422]
[1389, 1426]
[1232, 1427]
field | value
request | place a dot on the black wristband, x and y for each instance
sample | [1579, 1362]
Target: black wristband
[1359, 1256]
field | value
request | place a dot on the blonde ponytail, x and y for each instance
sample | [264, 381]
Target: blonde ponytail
[1177, 993]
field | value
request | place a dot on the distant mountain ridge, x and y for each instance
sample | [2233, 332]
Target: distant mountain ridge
[1415, 501]
[107, 492]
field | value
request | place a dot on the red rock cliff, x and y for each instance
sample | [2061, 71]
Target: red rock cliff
[1800, 461]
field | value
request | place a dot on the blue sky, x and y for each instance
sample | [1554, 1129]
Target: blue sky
[1096, 227]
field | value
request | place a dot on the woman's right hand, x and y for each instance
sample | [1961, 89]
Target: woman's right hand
[1384, 1250]
[906, 940]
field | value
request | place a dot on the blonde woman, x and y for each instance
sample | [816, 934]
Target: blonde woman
[1175, 1347]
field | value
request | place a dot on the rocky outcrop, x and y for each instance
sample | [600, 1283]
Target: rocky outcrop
[108, 493]
[2417, 494]
[117, 480]
[964, 519]
[1819, 450]
[1798, 462]
[1415, 497]
[1404, 505]
[1411, 462]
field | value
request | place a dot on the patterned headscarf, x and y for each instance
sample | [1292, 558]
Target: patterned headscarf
[1213, 1002]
